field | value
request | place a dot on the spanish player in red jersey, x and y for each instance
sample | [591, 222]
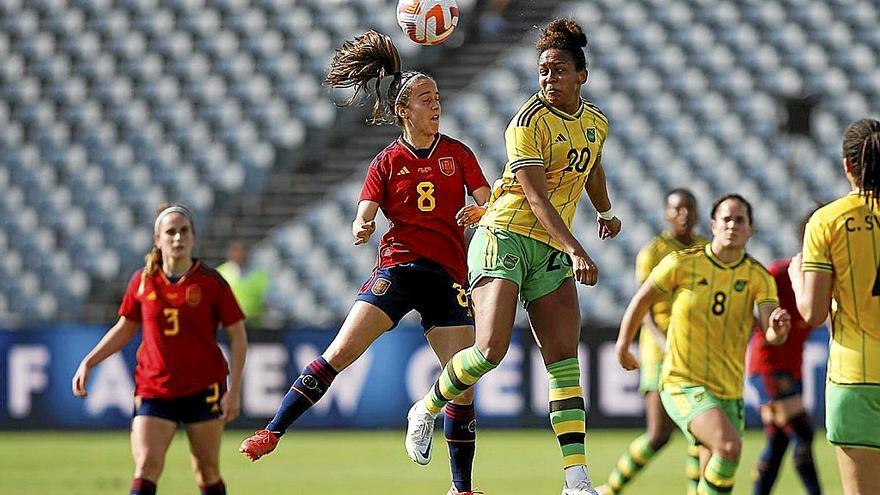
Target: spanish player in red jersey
[419, 181]
[180, 378]
[775, 372]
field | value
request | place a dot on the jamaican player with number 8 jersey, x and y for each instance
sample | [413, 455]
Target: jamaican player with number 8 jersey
[840, 269]
[714, 290]
[524, 248]
[419, 181]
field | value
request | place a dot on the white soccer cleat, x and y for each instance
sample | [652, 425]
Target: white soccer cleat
[419, 433]
[582, 487]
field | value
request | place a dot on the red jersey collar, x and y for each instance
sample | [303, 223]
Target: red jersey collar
[195, 266]
[408, 147]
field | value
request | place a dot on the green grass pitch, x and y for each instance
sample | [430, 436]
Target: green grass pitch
[509, 462]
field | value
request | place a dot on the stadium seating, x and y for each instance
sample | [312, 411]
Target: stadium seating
[108, 108]
[692, 92]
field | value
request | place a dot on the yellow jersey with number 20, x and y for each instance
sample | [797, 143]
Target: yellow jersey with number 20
[566, 146]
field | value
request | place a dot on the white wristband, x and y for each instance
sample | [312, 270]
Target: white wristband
[607, 214]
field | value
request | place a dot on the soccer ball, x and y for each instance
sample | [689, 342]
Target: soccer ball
[427, 22]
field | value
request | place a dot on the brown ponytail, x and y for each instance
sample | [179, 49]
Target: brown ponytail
[372, 56]
[566, 35]
[153, 259]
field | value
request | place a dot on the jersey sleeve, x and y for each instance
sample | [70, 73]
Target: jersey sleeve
[523, 147]
[663, 276]
[817, 247]
[644, 263]
[473, 174]
[766, 289]
[374, 184]
[131, 307]
[229, 310]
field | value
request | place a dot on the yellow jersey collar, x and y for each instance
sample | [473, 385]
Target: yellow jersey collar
[720, 264]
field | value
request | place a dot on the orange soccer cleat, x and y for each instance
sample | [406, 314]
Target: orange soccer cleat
[258, 445]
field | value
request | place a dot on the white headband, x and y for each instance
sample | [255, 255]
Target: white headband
[406, 85]
[173, 209]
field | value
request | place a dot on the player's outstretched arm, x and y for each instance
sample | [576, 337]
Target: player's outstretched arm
[364, 222]
[635, 313]
[609, 225]
[471, 214]
[113, 341]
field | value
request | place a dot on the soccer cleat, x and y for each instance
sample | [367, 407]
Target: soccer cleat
[583, 487]
[453, 491]
[260, 444]
[419, 433]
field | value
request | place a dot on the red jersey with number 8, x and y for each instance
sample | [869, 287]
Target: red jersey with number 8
[420, 191]
[178, 355]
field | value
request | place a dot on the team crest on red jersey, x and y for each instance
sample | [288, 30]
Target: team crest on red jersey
[447, 165]
[193, 295]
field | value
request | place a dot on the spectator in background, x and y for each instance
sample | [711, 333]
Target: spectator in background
[249, 284]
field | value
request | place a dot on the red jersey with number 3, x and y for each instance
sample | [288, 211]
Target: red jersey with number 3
[420, 197]
[179, 355]
[765, 358]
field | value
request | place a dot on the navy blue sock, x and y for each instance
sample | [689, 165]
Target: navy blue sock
[308, 389]
[460, 428]
[770, 460]
[140, 486]
[801, 432]
[218, 488]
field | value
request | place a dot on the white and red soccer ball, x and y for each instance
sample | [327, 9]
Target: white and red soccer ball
[427, 22]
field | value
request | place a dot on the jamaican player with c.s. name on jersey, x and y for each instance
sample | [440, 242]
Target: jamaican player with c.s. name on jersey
[524, 246]
[714, 291]
[840, 268]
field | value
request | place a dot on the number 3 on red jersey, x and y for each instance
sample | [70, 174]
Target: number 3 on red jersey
[171, 316]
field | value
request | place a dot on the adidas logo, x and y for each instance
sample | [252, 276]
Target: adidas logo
[560, 138]
[403, 171]
[703, 282]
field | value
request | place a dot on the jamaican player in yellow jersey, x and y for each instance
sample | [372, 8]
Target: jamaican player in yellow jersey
[840, 269]
[681, 215]
[524, 247]
[714, 289]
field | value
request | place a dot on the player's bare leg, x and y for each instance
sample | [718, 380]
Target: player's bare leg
[150, 438]
[363, 325]
[556, 326]
[858, 470]
[494, 301]
[460, 423]
[720, 450]
[204, 446]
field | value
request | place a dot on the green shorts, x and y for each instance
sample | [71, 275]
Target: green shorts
[852, 415]
[535, 267]
[684, 403]
[649, 380]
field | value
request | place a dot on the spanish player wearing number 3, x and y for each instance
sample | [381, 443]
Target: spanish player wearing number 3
[419, 181]
[714, 290]
[841, 260]
[524, 247]
[178, 302]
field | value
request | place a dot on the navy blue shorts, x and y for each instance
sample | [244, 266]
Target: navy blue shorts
[420, 285]
[201, 406]
[776, 385]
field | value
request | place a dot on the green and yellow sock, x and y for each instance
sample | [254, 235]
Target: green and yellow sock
[636, 456]
[719, 477]
[692, 469]
[459, 374]
[567, 414]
